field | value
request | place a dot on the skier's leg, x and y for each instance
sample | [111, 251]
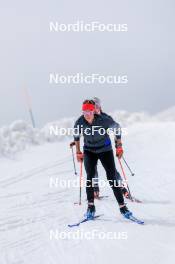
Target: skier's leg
[90, 163]
[96, 185]
[107, 160]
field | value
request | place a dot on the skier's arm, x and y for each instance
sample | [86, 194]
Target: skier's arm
[118, 142]
[77, 145]
[77, 134]
[79, 154]
[117, 132]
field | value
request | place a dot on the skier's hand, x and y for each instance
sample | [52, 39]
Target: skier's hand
[80, 156]
[119, 151]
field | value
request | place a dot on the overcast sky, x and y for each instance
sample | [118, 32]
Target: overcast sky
[29, 53]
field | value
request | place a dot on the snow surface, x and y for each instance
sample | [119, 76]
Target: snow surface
[31, 209]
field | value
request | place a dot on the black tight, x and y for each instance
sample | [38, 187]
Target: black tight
[107, 160]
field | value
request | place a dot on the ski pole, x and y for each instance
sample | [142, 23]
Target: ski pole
[73, 159]
[81, 177]
[124, 175]
[132, 173]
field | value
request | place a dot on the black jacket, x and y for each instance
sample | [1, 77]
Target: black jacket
[96, 138]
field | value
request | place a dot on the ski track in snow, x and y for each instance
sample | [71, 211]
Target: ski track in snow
[30, 208]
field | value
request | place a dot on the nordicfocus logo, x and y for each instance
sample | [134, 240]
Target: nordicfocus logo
[89, 131]
[81, 78]
[81, 234]
[56, 182]
[81, 26]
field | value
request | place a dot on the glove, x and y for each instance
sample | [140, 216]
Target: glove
[119, 151]
[80, 156]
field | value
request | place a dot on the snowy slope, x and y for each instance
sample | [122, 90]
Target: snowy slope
[30, 208]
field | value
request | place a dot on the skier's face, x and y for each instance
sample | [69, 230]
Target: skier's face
[89, 116]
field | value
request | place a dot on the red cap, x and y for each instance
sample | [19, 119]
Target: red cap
[88, 107]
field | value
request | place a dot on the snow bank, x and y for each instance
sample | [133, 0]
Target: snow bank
[20, 134]
[125, 118]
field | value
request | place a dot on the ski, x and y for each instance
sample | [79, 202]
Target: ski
[84, 220]
[134, 219]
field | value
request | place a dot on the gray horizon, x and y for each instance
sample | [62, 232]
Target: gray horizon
[29, 53]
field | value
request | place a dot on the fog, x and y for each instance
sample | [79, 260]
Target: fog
[30, 52]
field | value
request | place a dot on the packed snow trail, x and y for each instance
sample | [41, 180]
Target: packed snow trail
[31, 208]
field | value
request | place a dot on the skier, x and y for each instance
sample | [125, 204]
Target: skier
[98, 111]
[97, 145]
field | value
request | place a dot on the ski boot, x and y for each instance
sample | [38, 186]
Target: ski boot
[90, 212]
[125, 212]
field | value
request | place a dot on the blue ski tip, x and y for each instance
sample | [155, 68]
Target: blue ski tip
[132, 218]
